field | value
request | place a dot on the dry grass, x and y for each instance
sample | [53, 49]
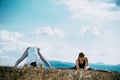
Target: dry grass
[10, 73]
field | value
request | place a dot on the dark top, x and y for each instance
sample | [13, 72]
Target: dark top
[82, 65]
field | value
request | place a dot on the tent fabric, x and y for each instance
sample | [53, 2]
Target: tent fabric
[33, 55]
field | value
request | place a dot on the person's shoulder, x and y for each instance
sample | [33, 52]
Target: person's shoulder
[77, 60]
[86, 58]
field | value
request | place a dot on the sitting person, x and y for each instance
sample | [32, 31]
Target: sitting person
[81, 62]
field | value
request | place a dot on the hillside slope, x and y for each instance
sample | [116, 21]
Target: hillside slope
[10, 73]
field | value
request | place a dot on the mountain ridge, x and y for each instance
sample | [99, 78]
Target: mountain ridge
[94, 66]
[101, 66]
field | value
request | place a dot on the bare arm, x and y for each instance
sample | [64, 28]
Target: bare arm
[86, 60]
[77, 64]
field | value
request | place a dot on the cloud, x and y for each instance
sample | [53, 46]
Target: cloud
[48, 31]
[95, 31]
[104, 54]
[9, 36]
[92, 10]
[12, 41]
[1, 52]
[12, 45]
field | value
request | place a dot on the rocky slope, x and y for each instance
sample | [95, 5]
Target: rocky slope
[10, 73]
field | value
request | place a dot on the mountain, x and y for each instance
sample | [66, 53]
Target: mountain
[60, 64]
[106, 67]
[100, 63]
[96, 66]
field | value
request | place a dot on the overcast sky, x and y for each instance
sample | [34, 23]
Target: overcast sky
[61, 29]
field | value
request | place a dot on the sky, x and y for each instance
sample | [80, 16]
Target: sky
[61, 29]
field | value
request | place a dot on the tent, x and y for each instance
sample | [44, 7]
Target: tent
[33, 55]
